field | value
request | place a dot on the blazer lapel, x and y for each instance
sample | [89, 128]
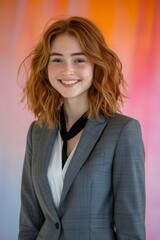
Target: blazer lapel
[91, 133]
[45, 149]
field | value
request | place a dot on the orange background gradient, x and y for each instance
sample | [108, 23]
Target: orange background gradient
[132, 29]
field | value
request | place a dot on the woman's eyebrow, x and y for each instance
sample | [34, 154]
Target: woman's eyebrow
[72, 54]
[79, 53]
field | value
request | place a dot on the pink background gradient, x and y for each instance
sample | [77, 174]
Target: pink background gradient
[132, 29]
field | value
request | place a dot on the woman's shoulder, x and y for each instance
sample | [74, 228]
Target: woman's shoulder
[117, 119]
[121, 120]
[122, 117]
[36, 128]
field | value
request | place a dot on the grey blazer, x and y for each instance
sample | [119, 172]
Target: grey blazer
[103, 197]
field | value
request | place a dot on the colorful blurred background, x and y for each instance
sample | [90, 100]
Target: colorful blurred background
[132, 29]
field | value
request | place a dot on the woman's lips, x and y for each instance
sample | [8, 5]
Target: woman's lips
[68, 83]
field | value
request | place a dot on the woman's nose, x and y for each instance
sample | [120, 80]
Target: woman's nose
[68, 69]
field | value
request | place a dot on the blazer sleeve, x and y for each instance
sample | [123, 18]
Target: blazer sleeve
[129, 184]
[31, 216]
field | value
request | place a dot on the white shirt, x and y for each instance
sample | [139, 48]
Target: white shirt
[55, 172]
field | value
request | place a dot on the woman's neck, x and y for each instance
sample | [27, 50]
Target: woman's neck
[73, 110]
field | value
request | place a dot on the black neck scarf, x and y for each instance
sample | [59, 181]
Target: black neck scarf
[75, 129]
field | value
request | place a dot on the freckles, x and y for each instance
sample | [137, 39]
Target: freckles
[88, 74]
[87, 70]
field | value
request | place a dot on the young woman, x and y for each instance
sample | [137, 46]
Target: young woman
[83, 174]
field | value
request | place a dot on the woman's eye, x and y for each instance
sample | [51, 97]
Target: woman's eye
[56, 60]
[80, 60]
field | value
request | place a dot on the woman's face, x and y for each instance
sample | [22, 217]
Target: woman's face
[70, 72]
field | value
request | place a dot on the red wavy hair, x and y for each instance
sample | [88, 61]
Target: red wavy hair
[108, 87]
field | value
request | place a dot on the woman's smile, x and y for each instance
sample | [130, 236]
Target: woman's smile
[68, 82]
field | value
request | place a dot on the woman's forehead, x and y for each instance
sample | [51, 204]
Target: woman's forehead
[65, 43]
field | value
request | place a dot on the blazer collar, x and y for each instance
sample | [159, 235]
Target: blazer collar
[90, 135]
[46, 143]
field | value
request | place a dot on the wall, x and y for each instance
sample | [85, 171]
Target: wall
[131, 28]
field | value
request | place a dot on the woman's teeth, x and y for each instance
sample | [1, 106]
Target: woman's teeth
[69, 82]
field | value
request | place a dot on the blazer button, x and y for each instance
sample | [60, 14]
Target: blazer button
[57, 225]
